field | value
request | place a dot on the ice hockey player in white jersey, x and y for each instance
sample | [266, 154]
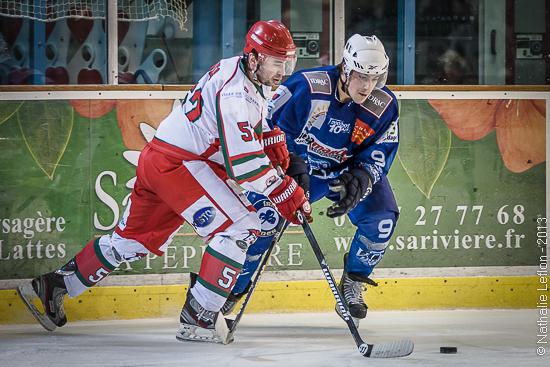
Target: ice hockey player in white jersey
[214, 144]
[341, 125]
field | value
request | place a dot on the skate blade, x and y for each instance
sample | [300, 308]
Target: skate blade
[30, 298]
[195, 333]
[220, 334]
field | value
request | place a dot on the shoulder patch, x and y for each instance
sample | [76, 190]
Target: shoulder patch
[319, 82]
[277, 100]
[391, 135]
[377, 102]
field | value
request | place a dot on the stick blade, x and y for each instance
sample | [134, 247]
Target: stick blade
[393, 349]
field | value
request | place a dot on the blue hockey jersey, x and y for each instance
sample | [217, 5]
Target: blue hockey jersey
[332, 136]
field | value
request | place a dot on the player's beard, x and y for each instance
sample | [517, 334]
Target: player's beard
[261, 78]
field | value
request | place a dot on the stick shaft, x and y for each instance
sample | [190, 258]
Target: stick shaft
[281, 228]
[331, 282]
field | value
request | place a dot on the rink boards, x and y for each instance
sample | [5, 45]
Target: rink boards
[127, 302]
[470, 180]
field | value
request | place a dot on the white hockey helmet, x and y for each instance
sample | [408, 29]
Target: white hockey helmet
[366, 55]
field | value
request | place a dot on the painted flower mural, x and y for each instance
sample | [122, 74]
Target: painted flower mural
[137, 120]
[426, 128]
[130, 114]
[93, 108]
[519, 123]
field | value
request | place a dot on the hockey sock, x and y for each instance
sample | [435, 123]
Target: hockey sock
[221, 264]
[93, 263]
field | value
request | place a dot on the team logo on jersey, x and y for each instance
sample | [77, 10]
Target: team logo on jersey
[391, 135]
[269, 217]
[338, 126]
[337, 155]
[230, 94]
[214, 69]
[377, 102]
[361, 131]
[304, 138]
[281, 96]
[317, 114]
[280, 92]
[319, 82]
[249, 240]
[204, 217]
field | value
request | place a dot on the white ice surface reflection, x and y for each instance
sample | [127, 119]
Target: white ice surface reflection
[495, 338]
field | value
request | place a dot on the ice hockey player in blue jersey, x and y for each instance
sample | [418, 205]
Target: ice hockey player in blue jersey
[342, 134]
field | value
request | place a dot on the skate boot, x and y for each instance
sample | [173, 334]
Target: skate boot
[351, 287]
[231, 303]
[199, 324]
[233, 300]
[43, 296]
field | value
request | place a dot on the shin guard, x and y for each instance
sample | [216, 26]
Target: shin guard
[217, 277]
[93, 263]
[221, 264]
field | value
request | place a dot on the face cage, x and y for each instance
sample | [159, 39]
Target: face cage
[273, 64]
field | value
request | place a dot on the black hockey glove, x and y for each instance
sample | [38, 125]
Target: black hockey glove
[297, 169]
[352, 186]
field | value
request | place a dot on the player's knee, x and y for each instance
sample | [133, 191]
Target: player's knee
[380, 229]
[93, 263]
[372, 239]
[124, 249]
[367, 251]
[245, 231]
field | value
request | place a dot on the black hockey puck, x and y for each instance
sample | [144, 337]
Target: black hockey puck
[447, 350]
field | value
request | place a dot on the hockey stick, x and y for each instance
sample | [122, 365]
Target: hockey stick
[398, 348]
[233, 325]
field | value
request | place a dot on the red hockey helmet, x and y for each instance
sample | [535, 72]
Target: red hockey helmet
[272, 39]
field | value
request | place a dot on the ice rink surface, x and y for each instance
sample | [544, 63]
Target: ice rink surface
[496, 338]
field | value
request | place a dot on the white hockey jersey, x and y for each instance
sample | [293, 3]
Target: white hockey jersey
[221, 119]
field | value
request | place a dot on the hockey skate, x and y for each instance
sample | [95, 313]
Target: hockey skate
[233, 300]
[43, 296]
[199, 324]
[351, 287]
[230, 304]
